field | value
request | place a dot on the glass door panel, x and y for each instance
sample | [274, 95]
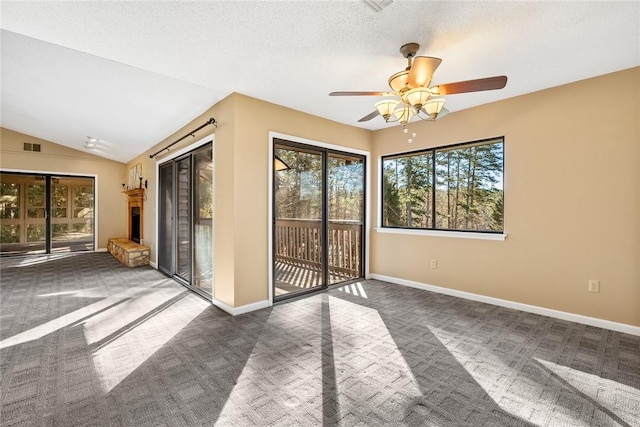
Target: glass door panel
[183, 219]
[203, 219]
[35, 222]
[345, 181]
[165, 223]
[298, 214]
[11, 212]
[72, 214]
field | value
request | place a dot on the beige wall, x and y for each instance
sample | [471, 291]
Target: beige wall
[241, 168]
[111, 206]
[572, 201]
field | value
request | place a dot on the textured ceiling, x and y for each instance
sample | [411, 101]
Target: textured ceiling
[131, 73]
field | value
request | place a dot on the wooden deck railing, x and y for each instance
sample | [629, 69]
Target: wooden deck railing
[298, 241]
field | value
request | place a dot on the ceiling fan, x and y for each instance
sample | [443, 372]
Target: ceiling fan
[416, 97]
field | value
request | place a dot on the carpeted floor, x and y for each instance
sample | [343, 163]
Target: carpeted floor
[88, 342]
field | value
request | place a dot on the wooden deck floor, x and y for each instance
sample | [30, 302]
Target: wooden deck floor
[291, 277]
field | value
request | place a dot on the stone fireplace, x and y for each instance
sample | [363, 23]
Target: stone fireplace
[131, 251]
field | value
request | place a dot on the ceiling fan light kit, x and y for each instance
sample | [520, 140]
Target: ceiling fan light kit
[416, 98]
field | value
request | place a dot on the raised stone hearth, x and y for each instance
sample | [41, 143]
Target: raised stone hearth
[128, 252]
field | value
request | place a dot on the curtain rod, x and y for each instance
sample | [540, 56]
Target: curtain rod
[211, 121]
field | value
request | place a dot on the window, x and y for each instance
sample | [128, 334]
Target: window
[456, 188]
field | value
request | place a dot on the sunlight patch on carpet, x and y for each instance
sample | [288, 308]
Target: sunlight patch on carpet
[124, 337]
[621, 402]
[526, 390]
[354, 289]
[75, 316]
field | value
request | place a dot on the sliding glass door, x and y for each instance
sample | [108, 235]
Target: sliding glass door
[46, 213]
[185, 234]
[318, 218]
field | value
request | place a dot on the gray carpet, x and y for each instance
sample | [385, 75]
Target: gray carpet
[88, 342]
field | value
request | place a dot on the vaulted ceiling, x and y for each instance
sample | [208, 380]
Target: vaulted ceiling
[132, 73]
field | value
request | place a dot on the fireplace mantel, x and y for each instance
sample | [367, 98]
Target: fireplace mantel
[135, 198]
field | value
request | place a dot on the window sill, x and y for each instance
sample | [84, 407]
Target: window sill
[442, 233]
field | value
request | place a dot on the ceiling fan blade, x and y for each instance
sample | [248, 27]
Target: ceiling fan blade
[477, 85]
[422, 69]
[369, 116]
[361, 93]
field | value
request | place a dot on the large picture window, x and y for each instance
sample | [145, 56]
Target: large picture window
[457, 188]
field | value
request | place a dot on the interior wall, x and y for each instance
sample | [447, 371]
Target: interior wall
[111, 203]
[241, 168]
[572, 201]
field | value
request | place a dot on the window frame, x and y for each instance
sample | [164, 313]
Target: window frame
[432, 230]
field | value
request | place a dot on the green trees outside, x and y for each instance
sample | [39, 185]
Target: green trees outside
[468, 188]
[299, 188]
[345, 187]
[407, 188]
[9, 209]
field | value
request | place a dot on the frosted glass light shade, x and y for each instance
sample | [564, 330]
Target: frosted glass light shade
[418, 96]
[434, 106]
[386, 107]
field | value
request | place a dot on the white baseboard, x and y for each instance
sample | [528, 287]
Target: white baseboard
[577, 318]
[234, 311]
[153, 264]
[101, 250]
